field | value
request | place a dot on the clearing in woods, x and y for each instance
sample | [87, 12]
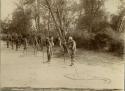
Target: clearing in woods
[92, 70]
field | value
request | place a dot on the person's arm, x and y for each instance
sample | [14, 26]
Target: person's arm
[53, 44]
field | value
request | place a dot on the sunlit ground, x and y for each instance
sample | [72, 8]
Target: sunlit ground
[92, 70]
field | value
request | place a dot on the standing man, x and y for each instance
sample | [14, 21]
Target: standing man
[72, 49]
[41, 43]
[52, 44]
[7, 40]
[25, 43]
[20, 40]
[16, 41]
[49, 45]
[36, 44]
[12, 40]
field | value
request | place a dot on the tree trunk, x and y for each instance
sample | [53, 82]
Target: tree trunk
[58, 28]
[38, 15]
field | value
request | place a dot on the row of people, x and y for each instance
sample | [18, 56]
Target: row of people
[23, 40]
[38, 42]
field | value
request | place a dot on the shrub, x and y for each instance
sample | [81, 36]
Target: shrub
[106, 40]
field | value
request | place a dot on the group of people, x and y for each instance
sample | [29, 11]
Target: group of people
[23, 40]
[13, 39]
[70, 45]
[38, 43]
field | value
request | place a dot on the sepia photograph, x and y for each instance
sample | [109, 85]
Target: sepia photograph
[62, 45]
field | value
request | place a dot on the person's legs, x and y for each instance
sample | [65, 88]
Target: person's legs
[72, 58]
[48, 57]
[16, 46]
[48, 54]
[51, 51]
[24, 49]
[7, 44]
[35, 49]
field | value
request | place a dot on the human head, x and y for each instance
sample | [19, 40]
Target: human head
[70, 38]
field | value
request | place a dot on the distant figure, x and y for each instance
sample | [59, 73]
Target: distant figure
[16, 41]
[72, 49]
[20, 40]
[59, 41]
[25, 44]
[40, 42]
[8, 40]
[52, 44]
[12, 41]
[51, 40]
[36, 44]
[49, 45]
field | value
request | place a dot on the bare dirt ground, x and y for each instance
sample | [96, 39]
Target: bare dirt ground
[92, 70]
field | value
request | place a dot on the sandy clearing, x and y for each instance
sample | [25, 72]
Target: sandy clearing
[92, 70]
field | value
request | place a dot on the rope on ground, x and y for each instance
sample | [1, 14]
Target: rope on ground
[106, 80]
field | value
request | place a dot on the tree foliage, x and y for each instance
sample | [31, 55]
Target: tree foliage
[93, 14]
[86, 21]
[20, 22]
